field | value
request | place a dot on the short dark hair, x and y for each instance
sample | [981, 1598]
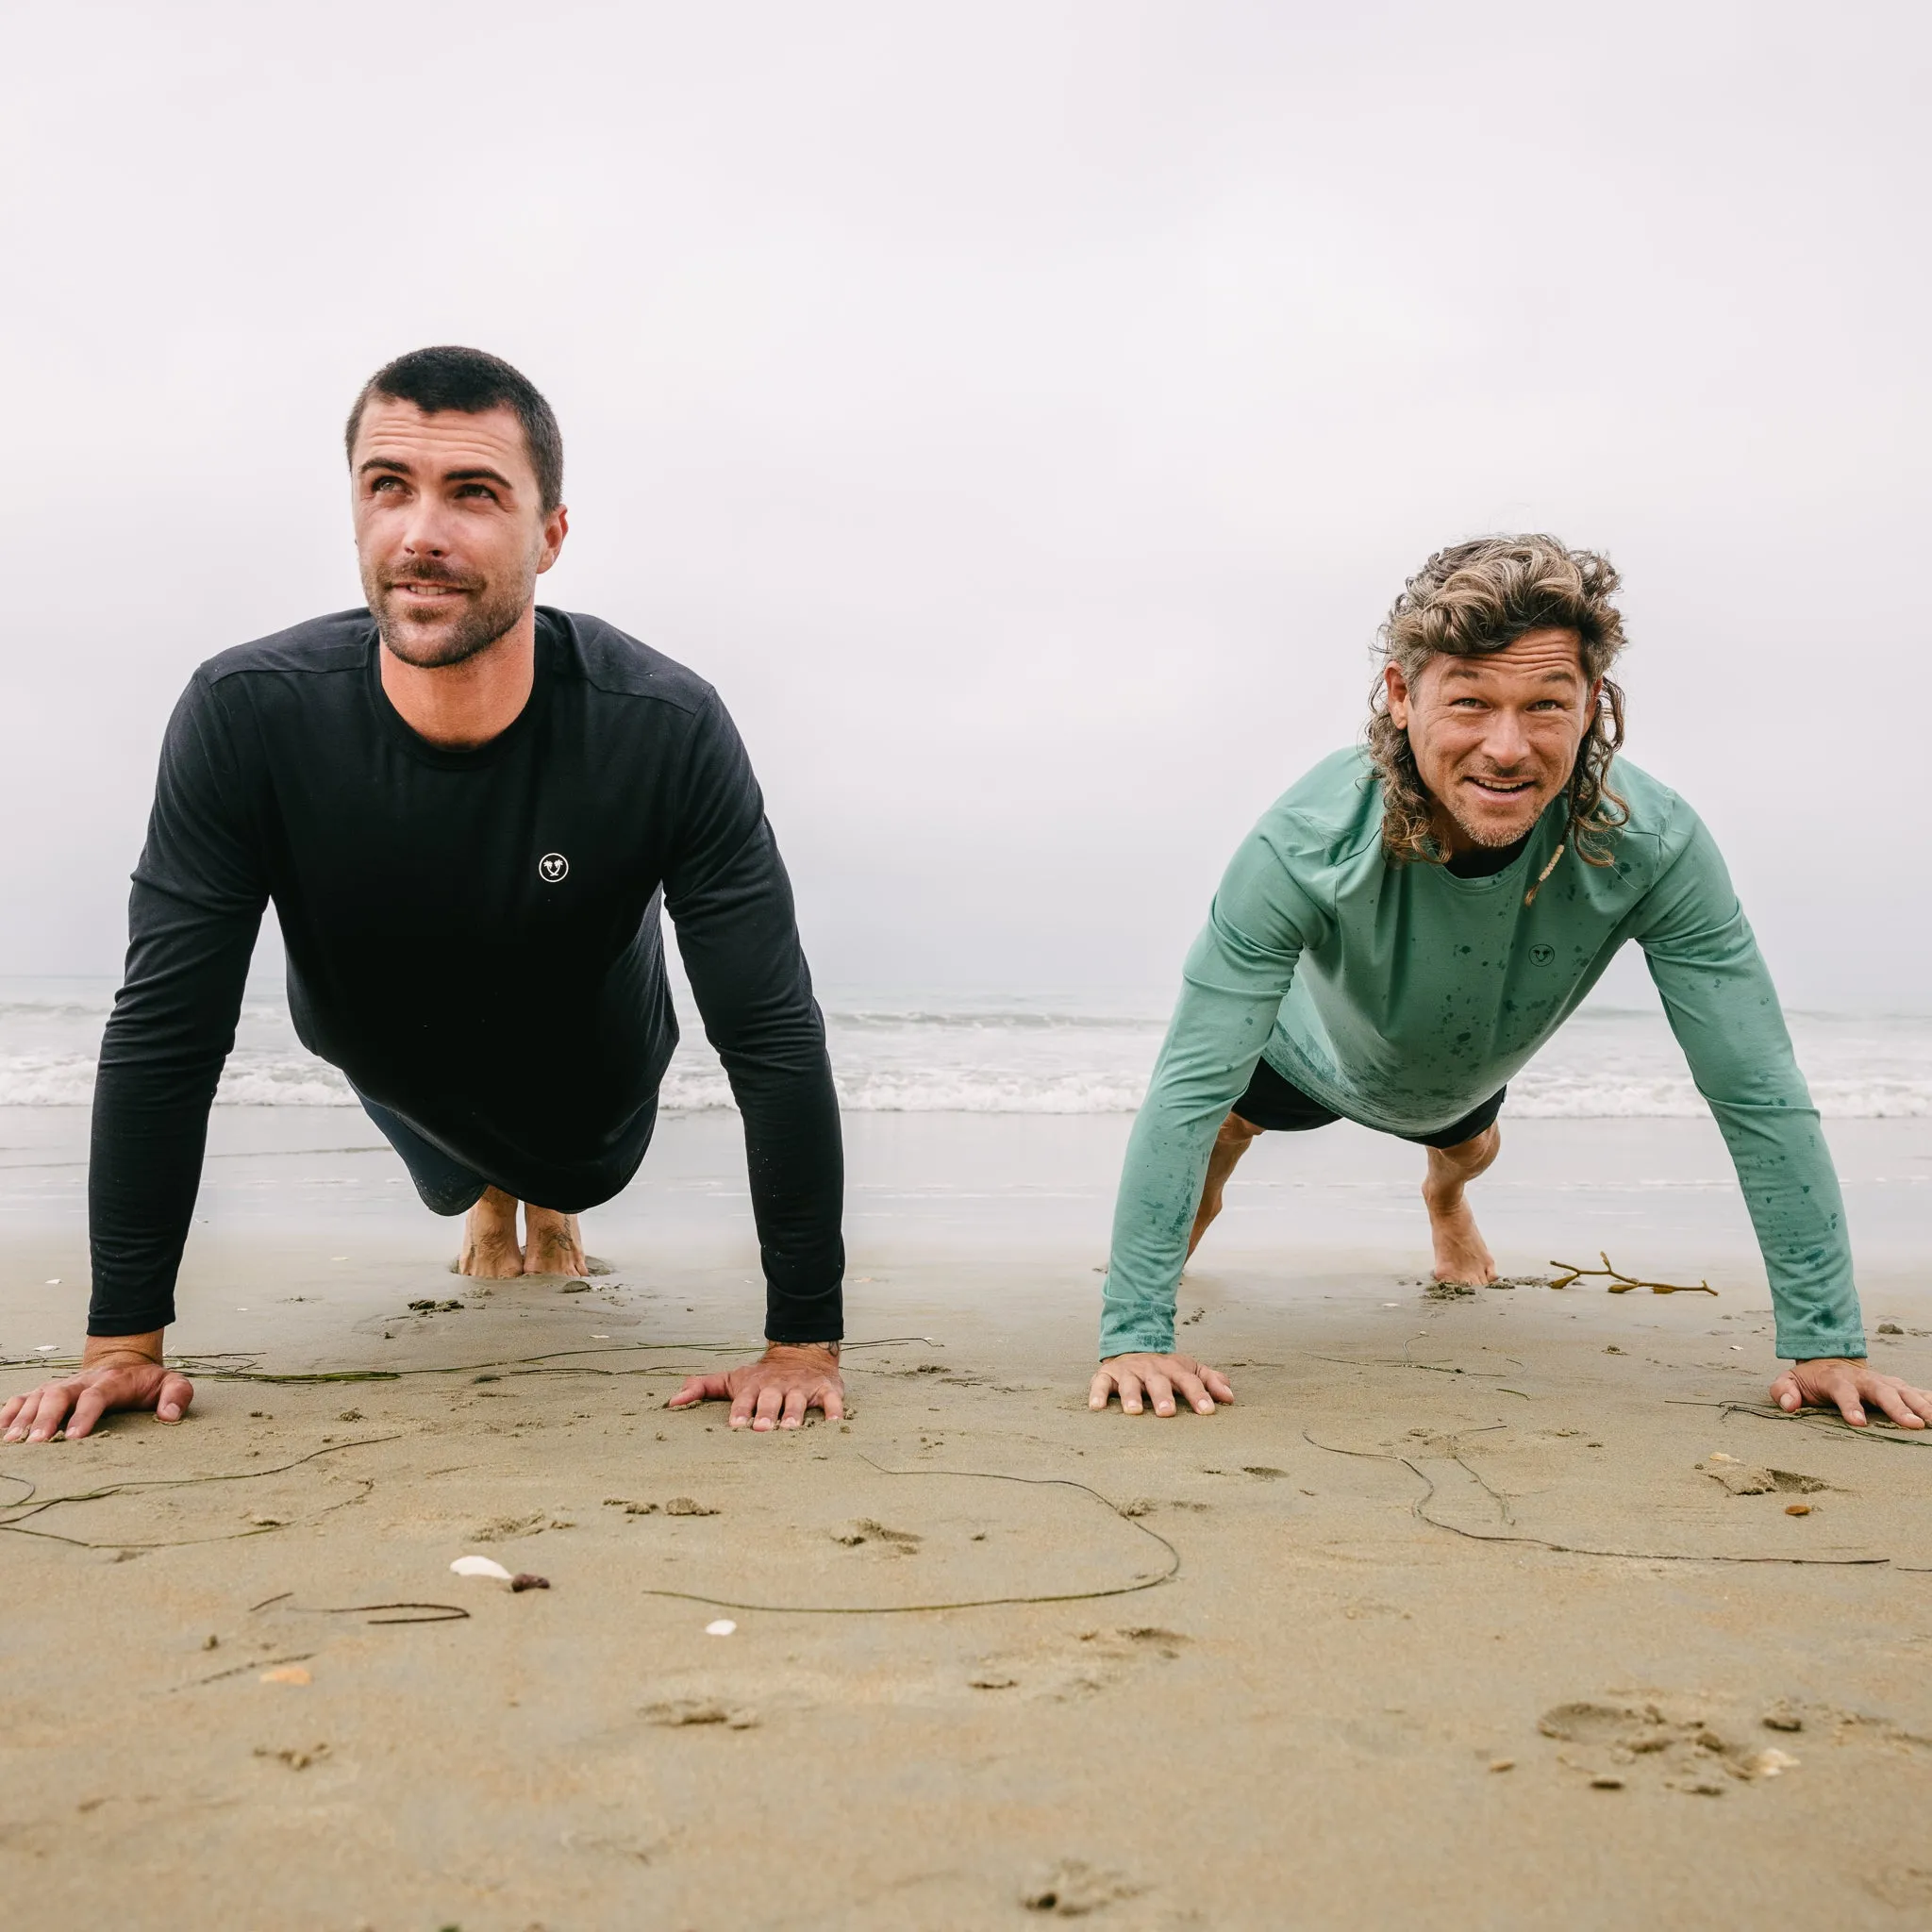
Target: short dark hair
[472, 381]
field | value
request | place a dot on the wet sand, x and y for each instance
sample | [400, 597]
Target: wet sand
[1268, 1666]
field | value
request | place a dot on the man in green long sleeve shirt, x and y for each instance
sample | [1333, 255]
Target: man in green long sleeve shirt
[1411, 922]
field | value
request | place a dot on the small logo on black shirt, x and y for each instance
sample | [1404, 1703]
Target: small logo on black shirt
[552, 868]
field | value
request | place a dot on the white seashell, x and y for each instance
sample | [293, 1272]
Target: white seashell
[722, 1628]
[480, 1566]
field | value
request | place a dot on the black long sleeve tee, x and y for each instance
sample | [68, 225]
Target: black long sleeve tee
[473, 936]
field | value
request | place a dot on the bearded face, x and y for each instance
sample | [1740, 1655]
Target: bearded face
[432, 614]
[1495, 737]
[451, 531]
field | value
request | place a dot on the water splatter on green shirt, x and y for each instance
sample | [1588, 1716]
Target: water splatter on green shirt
[1401, 996]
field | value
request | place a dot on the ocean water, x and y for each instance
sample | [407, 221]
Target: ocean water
[936, 1053]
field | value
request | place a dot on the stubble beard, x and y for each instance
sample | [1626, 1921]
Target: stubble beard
[484, 615]
[1492, 837]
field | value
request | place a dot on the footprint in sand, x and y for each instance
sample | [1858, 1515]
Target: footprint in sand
[1095, 1661]
[1625, 1744]
[1073, 1889]
[1746, 1479]
[675, 1713]
[898, 1542]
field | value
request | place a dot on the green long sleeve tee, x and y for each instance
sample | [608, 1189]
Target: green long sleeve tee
[1401, 996]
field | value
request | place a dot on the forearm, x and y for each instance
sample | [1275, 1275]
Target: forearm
[161, 1057]
[144, 1173]
[794, 1157]
[740, 941]
[1205, 1065]
[1791, 1187]
[1724, 1011]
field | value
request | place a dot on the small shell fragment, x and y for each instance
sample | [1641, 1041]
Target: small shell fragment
[723, 1627]
[480, 1566]
[286, 1673]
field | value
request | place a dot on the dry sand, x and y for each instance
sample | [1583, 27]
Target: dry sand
[1358, 1687]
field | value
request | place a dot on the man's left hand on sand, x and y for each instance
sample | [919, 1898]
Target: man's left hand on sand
[779, 1390]
[1847, 1385]
[1160, 1378]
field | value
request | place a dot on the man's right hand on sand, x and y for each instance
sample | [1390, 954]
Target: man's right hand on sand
[116, 1372]
[1160, 1376]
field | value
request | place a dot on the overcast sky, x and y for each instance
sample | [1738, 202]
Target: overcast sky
[1024, 413]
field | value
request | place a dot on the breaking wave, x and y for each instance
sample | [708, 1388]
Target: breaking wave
[1012, 1056]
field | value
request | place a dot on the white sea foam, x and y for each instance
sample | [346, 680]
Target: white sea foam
[1008, 1055]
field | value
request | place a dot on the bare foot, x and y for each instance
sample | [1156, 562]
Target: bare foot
[1230, 1143]
[552, 1244]
[1462, 1254]
[490, 1249]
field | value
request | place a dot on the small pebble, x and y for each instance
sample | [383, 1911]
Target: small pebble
[722, 1628]
[1884, 1327]
[1502, 1764]
[1607, 1781]
[288, 1674]
[528, 1579]
[1797, 1508]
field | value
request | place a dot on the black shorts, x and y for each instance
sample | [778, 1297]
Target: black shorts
[444, 1183]
[1277, 1105]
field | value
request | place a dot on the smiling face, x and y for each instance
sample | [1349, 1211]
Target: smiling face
[451, 534]
[1495, 738]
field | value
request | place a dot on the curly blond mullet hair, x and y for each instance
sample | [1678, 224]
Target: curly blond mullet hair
[1478, 597]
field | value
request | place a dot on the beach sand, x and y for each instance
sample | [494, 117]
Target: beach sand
[1451, 1620]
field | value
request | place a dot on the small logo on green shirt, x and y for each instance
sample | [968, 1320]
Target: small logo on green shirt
[1541, 956]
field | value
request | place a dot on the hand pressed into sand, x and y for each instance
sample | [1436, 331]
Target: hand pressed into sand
[776, 1390]
[1160, 1376]
[1848, 1385]
[551, 1243]
[116, 1372]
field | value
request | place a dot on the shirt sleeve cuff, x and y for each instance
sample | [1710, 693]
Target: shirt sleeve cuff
[1809, 1348]
[1143, 1337]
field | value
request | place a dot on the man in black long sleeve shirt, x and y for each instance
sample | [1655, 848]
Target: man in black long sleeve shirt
[468, 812]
